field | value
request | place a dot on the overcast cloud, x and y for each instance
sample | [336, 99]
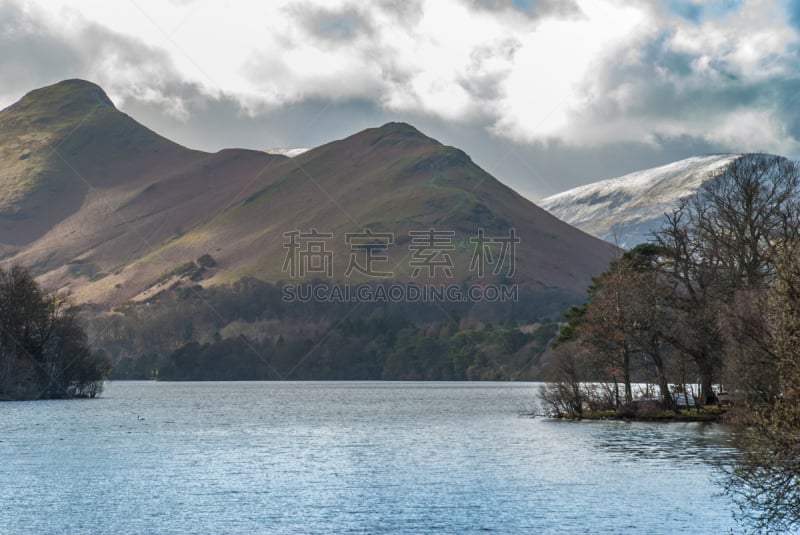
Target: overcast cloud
[544, 94]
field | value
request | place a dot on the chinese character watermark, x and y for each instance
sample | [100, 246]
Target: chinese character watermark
[371, 248]
[429, 250]
[482, 253]
[432, 251]
[306, 253]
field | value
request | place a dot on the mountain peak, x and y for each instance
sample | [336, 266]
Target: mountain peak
[64, 98]
[58, 140]
[393, 126]
[396, 131]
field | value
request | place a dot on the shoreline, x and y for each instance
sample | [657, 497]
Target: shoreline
[711, 414]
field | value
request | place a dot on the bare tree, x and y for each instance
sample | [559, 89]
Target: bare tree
[766, 477]
[720, 242]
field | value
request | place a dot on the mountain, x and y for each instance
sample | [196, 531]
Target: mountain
[627, 209]
[58, 143]
[106, 209]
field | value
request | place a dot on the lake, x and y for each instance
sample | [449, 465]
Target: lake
[348, 457]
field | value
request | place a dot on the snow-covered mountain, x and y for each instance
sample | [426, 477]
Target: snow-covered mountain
[627, 209]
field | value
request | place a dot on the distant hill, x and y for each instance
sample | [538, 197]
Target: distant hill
[100, 206]
[626, 210]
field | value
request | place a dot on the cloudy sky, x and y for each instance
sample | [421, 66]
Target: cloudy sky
[544, 94]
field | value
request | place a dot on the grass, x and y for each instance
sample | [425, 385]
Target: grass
[710, 413]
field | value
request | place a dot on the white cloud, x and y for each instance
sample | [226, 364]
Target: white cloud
[546, 87]
[601, 72]
[751, 128]
[752, 42]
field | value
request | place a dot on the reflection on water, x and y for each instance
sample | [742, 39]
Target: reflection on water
[690, 442]
[358, 457]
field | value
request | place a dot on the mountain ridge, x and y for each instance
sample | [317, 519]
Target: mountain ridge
[141, 206]
[625, 210]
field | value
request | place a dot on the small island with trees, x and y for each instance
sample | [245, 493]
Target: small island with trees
[44, 353]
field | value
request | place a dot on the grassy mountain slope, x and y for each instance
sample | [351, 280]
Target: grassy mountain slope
[109, 210]
[60, 143]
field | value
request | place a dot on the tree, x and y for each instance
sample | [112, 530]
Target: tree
[648, 293]
[43, 349]
[746, 211]
[608, 324]
[564, 394]
[721, 242]
[692, 273]
[766, 477]
[748, 351]
[619, 331]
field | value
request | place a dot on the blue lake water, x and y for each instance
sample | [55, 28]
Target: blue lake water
[348, 457]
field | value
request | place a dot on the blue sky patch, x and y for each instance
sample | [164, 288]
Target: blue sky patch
[698, 12]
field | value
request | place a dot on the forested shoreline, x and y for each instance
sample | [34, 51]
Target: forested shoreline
[246, 331]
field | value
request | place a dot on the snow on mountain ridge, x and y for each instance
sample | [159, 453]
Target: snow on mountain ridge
[627, 209]
[288, 152]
